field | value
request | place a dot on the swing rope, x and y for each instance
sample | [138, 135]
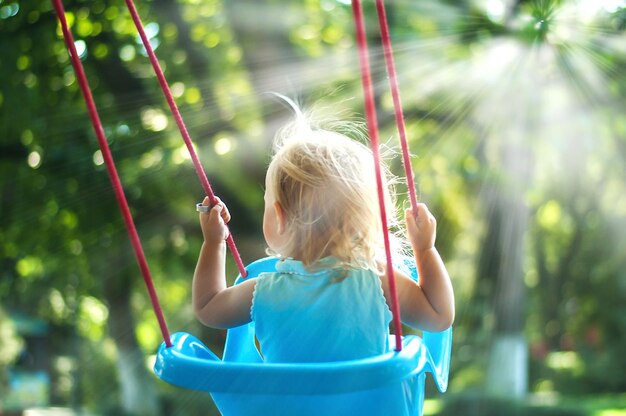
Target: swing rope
[397, 103]
[372, 127]
[112, 171]
[181, 126]
[372, 123]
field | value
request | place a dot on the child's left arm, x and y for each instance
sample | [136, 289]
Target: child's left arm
[429, 303]
[215, 304]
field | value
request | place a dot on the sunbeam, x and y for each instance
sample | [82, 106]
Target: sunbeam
[515, 114]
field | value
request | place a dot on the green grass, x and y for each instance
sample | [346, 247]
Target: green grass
[605, 405]
[432, 407]
[601, 405]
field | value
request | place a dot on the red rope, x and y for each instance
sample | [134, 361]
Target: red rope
[181, 126]
[372, 126]
[397, 104]
[108, 160]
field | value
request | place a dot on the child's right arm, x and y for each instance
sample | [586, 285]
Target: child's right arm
[215, 304]
[429, 303]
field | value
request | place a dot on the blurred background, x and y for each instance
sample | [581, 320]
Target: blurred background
[516, 118]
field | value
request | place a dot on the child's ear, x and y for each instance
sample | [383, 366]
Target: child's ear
[280, 217]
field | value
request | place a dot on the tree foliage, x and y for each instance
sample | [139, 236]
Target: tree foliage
[525, 102]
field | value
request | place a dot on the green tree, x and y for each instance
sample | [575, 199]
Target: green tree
[515, 116]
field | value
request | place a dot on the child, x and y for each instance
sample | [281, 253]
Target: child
[328, 299]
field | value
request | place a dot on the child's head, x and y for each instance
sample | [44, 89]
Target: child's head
[321, 198]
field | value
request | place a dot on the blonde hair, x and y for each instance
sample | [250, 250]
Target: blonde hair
[326, 184]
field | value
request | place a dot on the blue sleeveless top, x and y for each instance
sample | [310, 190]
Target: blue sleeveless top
[329, 314]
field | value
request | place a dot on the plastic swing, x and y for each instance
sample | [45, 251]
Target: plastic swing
[240, 383]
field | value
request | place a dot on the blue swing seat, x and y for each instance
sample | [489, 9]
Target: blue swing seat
[241, 384]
